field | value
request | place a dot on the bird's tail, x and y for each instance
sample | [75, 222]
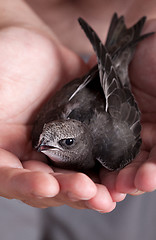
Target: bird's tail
[119, 36]
[121, 42]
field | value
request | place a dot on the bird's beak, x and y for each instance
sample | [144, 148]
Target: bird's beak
[42, 147]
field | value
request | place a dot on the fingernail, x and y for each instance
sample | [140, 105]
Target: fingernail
[90, 207]
[137, 192]
[42, 196]
[119, 197]
[74, 197]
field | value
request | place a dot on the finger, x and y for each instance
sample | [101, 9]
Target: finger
[23, 184]
[68, 194]
[59, 200]
[148, 132]
[73, 63]
[146, 175]
[102, 202]
[91, 174]
[76, 186]
[37, 166]
[137, 193]
[125, 182]
[40, 202]
[8, 159]
[108, 179]
[92, 61]
[16, 182]
[61, 170]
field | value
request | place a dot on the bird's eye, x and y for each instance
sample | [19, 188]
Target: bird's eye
[67, 142]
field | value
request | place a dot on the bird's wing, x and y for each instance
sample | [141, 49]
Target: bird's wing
[107, 73]
[120, 103]
[86, 79]
[120, 45]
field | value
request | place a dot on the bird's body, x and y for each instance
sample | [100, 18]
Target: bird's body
[95, 118]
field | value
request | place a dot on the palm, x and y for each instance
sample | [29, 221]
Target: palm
[31, 69]
[143, 79]
[23, 88]
[29, 74]
[39, 68]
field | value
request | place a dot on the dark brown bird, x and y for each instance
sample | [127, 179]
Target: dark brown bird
[95, 118]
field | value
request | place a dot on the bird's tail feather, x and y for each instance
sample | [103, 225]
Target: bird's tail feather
[121, 42]
[120, 36]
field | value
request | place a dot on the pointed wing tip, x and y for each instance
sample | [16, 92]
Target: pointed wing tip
[144, 18]
[84, 25]
[81, 21]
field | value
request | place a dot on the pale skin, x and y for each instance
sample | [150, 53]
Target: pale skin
[35, 61]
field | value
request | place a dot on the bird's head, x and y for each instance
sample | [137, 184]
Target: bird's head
[68, 143]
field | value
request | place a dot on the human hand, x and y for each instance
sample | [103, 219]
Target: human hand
[139, 176]
[43, 59]
[33, 65]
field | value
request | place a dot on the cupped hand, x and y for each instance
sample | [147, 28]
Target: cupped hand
[32, 67]
[140, 176]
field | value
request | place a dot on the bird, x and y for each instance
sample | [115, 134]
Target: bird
[95, 120]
